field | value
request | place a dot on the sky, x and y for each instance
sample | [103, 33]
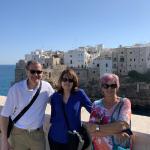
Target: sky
[26, 25]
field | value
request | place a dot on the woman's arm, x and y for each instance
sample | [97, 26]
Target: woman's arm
[85, 101]
[107, 129]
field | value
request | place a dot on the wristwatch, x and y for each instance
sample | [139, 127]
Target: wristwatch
[97, 128]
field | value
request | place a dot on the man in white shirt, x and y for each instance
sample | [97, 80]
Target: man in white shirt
[27, 132]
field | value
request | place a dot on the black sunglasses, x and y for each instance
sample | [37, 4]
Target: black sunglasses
[66, 79]
[35, 71]
[106, 86]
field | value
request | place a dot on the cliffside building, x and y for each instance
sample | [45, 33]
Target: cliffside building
[125, 59]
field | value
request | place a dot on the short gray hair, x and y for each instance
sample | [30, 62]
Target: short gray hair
[31, 62]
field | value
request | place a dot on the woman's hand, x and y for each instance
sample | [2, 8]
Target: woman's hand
[121, 137]
[91, 127]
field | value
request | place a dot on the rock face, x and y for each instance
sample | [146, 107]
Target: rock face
[139, 93]
[20, 72]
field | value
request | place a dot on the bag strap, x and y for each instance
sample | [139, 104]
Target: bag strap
[65, 116]
[29, 105]
[117, 108]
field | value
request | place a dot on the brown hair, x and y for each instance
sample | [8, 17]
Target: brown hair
[71, 74]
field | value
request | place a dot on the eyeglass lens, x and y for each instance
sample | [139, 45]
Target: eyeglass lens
[35, 71]
[106, 86]
[66, 79]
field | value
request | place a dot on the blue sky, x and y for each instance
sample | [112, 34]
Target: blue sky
[26, 25]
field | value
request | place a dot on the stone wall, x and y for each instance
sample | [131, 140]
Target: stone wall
[140, 127]
[139, 93]
[89, 80]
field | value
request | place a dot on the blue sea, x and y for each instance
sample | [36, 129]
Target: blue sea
[7, 76]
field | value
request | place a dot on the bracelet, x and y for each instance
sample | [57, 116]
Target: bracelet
[97, 128]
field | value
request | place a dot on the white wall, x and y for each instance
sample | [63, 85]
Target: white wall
[105, 66]
[76, 58]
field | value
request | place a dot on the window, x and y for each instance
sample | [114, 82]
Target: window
[115, 59]
[70, 61]
[106, 65]
[114, 66]
[97, 65]
[121, 59]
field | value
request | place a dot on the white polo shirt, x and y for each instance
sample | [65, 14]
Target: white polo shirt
[19, 96]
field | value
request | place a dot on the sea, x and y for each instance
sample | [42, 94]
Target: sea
[7, 77]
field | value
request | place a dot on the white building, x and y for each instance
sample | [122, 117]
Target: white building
[77, 58]
[136, 58]
[105, 65]
[119, 61]
[103, 62]
[36, 55]
[46, 58]
[95, 63]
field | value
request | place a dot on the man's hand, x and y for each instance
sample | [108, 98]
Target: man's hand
[4, 140]
[5, 144]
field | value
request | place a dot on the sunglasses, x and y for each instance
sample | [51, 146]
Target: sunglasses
[35, 71]
[66, 79]
[112, 86]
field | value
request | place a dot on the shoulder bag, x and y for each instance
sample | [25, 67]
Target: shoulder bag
[12, 122]
[78, 140]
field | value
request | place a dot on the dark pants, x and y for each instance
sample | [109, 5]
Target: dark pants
[57, 146]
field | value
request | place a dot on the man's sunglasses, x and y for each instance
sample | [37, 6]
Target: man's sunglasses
[112, 86]
[35, 71]
[66, 79]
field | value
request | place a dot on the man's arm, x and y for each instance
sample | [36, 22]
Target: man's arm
[4, 125]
